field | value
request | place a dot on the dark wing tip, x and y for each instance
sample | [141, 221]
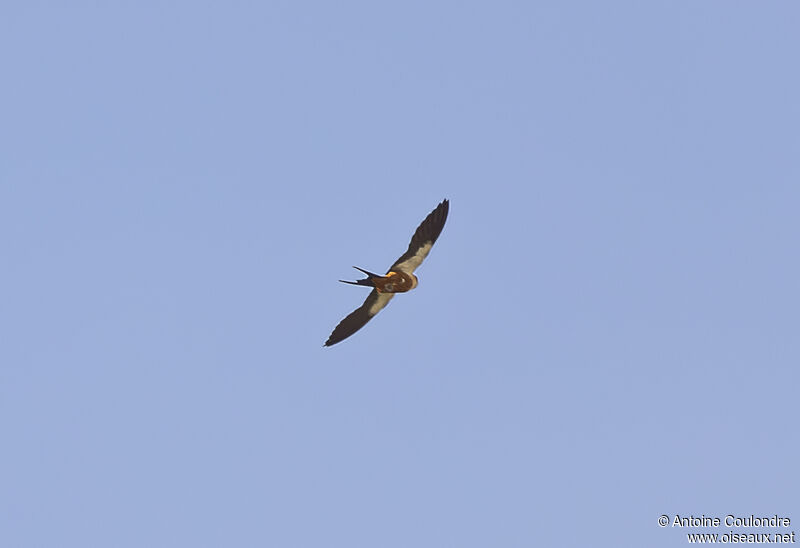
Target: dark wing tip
[339, 334]
[354, 321]
[427, 232]
[431, 227]
[434, 222]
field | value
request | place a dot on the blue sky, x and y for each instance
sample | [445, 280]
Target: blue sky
[605, 332]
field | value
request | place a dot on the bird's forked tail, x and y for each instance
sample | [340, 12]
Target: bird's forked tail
[366, 281]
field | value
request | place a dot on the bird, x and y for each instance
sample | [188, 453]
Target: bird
[399, 279]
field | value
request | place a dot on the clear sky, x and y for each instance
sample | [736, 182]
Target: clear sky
[605, 332]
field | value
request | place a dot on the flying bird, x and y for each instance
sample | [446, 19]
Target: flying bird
[399, 279]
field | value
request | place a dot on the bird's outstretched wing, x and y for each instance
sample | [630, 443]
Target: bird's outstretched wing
[359, 317]
[423, 239]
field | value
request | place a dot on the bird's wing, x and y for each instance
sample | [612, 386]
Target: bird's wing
[423, 239]
[359, 317]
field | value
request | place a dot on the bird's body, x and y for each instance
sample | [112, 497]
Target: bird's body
[392, 282]
[399, 279]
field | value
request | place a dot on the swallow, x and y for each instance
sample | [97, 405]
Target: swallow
[399, 279]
